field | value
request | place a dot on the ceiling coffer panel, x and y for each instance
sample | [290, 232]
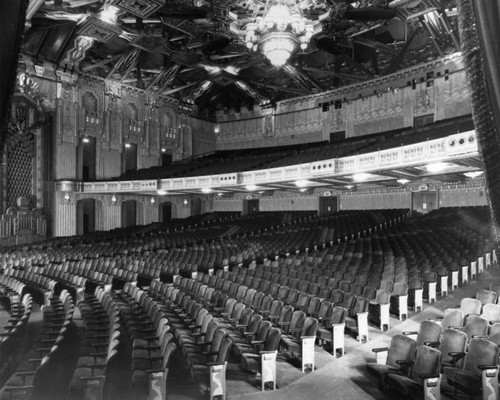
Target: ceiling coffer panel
[227, 43]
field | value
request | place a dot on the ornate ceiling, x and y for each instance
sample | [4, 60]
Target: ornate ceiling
[191, 50]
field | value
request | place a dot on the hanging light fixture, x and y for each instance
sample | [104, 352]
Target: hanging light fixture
[283, 29]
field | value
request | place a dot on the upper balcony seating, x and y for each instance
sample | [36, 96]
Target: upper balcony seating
[252, 159]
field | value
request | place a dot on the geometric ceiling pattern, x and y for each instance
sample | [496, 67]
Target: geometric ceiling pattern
[190, 50]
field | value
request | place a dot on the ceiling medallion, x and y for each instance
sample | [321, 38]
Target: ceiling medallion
[140, 8]
[282, 28]
[99, 30]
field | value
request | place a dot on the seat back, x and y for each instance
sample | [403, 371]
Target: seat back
[237, 311]
[400, 288]
[286, 314]
[480, 352]
[254, 323]
[486, 296]
[402, 348]
[325, 310]
[491, 312]
[314, 305]
[310, 327]
[266, 303]
[360, 305]
[245, 317]
[273, 339]
[298, 319]
[263, 330]
[211, 329]
[452, 317]
[224, 350]
[476, 325]
[349, 301]
[325, 292]
[369, 292]
[430, 331]
[219, 336]
[494, 334]
[471, 306]
[427, 362]
[452, 341]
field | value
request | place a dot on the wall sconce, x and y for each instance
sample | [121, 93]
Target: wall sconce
[66, 197]
[185, 202]
[163, 150]
[85, 139]
[128, 145]
[152, 200]
[113, 199]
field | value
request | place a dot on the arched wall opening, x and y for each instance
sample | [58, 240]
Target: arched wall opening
[165, 212]
[129, 213]
[86, 159]
[87, 211]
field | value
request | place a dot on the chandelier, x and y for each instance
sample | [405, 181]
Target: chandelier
[283, 29]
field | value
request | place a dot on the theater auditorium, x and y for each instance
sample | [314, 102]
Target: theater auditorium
[249, 199]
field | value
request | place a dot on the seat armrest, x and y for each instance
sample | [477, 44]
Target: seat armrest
[405, 366]
[457, 355]
[213, 364]
[89, 378]
[432, 344]
[429, 376]
[406, 333]
[484, 367]
[405, 362]
[380, 349]
[101, 354]
[267, 352]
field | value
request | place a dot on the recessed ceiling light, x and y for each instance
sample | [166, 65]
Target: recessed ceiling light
[437, 167]
[251, 188]
[206, 190]
[349, 186]
[161, 192]
[361, 177]
[403, 181]
[302, 183]
[473, 174]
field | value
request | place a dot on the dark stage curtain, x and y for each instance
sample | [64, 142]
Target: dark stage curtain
[479, 26]
[12, 16]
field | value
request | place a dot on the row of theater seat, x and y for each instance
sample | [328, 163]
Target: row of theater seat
[37, 376]
[346, 259]
[463, 346]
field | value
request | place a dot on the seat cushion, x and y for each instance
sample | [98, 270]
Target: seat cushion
[463, 380]
[380, 370]
[403, 385]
